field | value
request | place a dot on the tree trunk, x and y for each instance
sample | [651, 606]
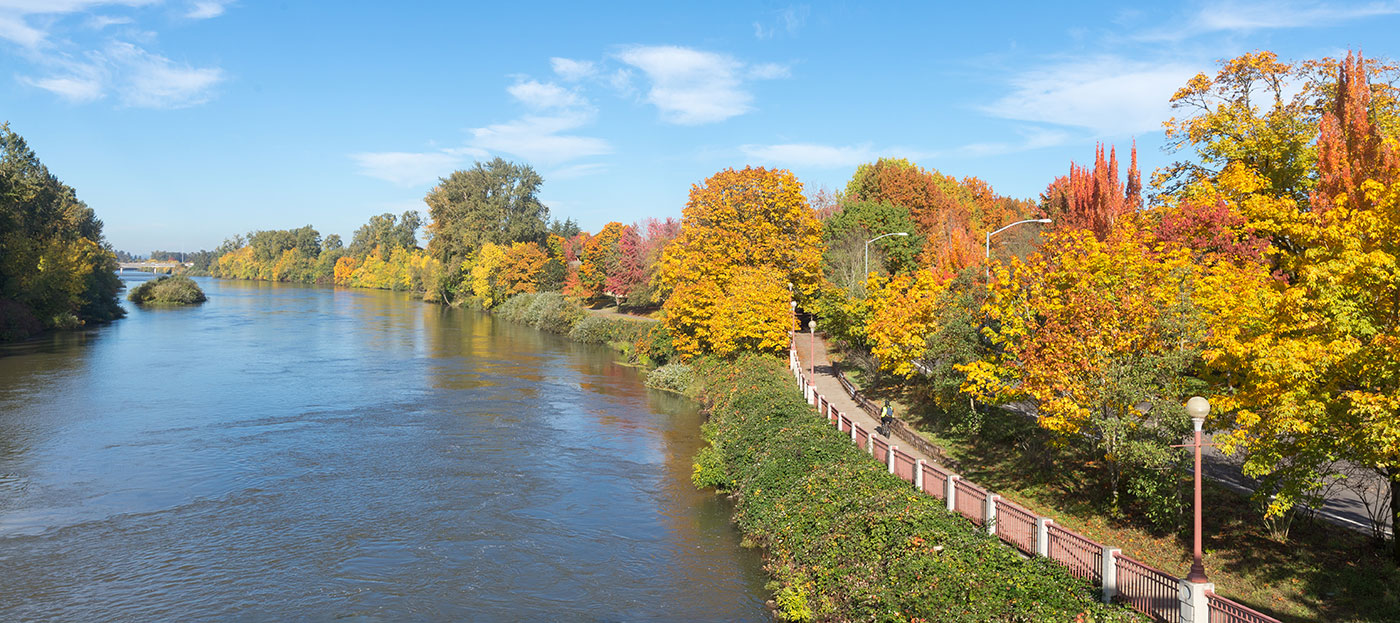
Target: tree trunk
[1395, 514]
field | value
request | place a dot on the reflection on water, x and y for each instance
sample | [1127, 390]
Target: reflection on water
[289, 452]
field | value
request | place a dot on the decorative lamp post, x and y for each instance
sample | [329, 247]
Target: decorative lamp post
[867, 249]
[1197, 407]
[812, 347]
[993, 233]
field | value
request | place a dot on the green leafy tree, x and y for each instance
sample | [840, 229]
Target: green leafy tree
[493, 202]
[56, 270]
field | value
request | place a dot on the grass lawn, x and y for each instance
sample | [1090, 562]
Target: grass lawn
[1321, 573]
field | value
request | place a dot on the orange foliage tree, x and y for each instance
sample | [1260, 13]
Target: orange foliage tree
[1093, 198]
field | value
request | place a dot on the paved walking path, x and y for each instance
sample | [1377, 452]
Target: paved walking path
[831, 389]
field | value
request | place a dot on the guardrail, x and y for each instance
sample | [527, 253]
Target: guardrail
[1148, 590]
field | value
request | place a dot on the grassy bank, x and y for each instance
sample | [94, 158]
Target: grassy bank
[844, 539]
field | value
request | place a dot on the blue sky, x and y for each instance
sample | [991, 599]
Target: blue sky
[183, 122]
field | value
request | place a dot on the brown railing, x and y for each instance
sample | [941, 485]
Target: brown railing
[1083, 557]
[881, 451]
[844, 424]
[1148, 590]
[1223, 610]
[862, 437]
[1015, 525]
[970, 500]
[904, 466]
[935, 481]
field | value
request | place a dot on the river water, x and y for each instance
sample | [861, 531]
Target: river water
[289, 452]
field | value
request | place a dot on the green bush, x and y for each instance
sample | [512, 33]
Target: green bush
[845, 539]
[597, 329]
[168, 291]
[546, 311]
[654, 347]
[674, 377]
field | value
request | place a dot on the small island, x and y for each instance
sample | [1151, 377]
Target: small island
[178, 290]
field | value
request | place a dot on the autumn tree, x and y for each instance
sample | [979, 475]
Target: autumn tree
[387, 231]
[1310, 361]
[1262, 114]
[753, 218]
[56, 269]
[627, 272]
[521, 268]
[599, 258]
[1093, 198]
[1105, 336]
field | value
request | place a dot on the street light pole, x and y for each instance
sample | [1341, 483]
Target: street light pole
[867, 250]
[1197, 407]
[993, 233]
[812, 347]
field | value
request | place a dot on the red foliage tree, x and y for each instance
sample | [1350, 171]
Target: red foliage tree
[628, 271]
[1212, 231]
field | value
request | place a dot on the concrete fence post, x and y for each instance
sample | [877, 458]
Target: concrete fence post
[1110, 573]
[889, 458]
[1194, 606]
[1042, 536]
[853, 429]
[919, 474]
[989, 511]
[950, 492]
[870, 443]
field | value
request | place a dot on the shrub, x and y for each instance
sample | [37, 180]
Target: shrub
[675, 377]
[654, 347]
[546, 311]
[178, 290]
[596, 329]
[845, 539]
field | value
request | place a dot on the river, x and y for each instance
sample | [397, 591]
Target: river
[288, 452]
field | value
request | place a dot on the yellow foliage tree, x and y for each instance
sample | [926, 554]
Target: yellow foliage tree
[754, 219]
[521, 268]
[753, 314]
[485, 272]
[901, 315]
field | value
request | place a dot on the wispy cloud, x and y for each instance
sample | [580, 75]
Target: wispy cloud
[694, 87]
[1031, 138]
[811, 155]
[541, 139]
[128, 72]
[138, 78]
[1249, 16]
[205, 9]
[571, 70]
[407, 168]
[15, 24]
[1108, 96]
[785, 21]
[545, 95]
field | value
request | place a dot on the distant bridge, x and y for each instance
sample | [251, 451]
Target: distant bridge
[151, 266]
